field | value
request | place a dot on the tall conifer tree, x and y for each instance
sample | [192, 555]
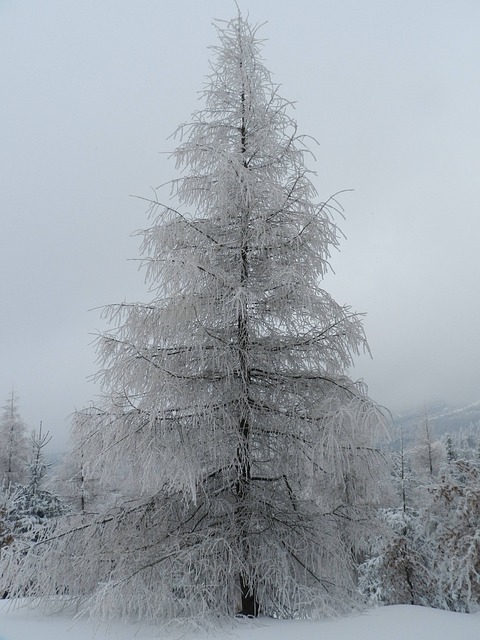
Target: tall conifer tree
[244, 454]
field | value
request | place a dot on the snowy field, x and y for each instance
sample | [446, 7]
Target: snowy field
[401, 622]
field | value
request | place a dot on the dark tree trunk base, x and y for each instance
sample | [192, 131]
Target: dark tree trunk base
[249, 601]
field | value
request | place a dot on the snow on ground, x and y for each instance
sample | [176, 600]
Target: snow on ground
[401, 622]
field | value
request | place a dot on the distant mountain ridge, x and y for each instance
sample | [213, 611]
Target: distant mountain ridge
[442, 418]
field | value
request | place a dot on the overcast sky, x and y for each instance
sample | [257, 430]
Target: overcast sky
[90, 90]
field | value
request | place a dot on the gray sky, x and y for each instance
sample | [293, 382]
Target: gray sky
[90, 92]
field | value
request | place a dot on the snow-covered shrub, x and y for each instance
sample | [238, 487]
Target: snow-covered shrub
[452, 523]
[430, 554]
[397, 575]
[26, 509]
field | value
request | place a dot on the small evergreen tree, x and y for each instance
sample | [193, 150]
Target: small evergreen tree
[428, 454]
[397, 574]
[78, 480]
[27, 505]
[38, 465]
[13, 444]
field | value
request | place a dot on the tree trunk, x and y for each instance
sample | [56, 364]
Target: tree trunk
[249, 600]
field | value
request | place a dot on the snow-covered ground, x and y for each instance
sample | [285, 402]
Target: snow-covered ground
[400, 622]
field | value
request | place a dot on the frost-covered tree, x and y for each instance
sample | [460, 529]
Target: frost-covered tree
[397, 573]
[430, 553]
[25, 508]
[428, 454]
[245, 457]
[463, 444]
[6, 526]
[38, 465]
[13, 443]
[78, 478]
[451, 520]
[29, 512]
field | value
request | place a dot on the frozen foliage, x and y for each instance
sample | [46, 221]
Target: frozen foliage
[452, 519]
[78, 479]
[398, 575]
[244, 460]
[38, 466]
[14, 444]
[428, 453]
[23, 514]
[431, 555]
[464, 444]
[6, 525]
[24, 508]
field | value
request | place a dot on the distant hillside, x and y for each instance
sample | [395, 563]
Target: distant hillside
[443, 419]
